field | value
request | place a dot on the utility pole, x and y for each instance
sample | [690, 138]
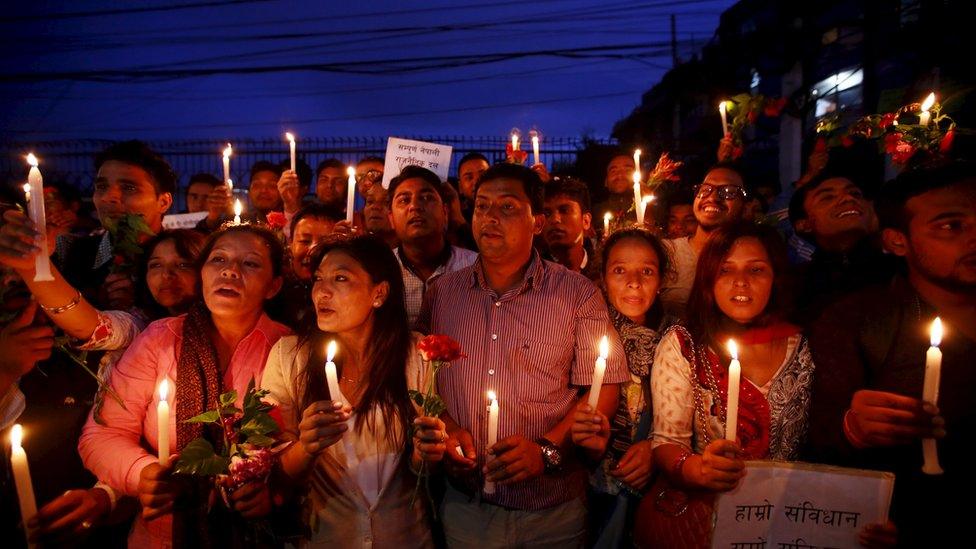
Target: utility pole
[674, 42]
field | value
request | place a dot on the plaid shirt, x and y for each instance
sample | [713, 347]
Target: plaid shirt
[535, 346]
[414, 287]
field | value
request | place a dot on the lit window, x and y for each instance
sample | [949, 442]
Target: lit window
[838, 92]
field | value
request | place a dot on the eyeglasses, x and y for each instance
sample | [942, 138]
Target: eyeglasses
[725, 192]
[371, 175]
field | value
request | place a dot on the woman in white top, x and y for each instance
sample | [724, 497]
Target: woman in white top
[354, 454]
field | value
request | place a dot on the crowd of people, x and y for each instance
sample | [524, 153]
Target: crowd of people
[830, 297]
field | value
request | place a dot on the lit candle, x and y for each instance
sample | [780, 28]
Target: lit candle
[722, 107]
[162, 423]
[637, 154]
[291, 145]
[732, 406]
[22, 477]
[492, 431]
[42, 262]
[230, 186]
[925, 115]
[535, 149]
[27, 192]
[637, 199]
[515, 142]
[644, 202]
[606, 224]
[237, 211]
[227, 152]
[599, 370]
[930, 394]
[330, 373]
[351, 194]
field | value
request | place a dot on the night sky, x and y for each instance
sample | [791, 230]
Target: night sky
[220, 69]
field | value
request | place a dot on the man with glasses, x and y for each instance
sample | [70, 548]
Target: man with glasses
[719, 199]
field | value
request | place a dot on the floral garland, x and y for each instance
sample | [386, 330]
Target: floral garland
[745, 110]
[901, 134]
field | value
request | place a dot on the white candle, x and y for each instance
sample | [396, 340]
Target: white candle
[930, 394]
[599, 370]
[606, 224]
[535, 149]
[515, 142]
[162, 424]
[237, 211]
[925, 115]
[227, 152]
[27, 195]
[637, 199]
[291, 145]
[22, 477]
[644, 202]
[42, 262]
[637, 155]
[330, 373]
[732, 406]
[492, 431]
[230, 185]
[351, 194]
[722, 107]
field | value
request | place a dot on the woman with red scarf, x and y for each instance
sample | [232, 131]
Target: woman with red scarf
[740, 293]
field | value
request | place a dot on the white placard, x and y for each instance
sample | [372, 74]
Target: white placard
[401, 153]
[781, 505]
[183, 221]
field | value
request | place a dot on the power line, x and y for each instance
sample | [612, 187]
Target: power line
[123, 11]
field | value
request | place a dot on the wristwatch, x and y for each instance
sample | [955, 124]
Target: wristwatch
[551, 455]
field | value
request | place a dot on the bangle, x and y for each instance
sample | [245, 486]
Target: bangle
[849, 431]
[112, 497]
[67, 307]
[680, 463]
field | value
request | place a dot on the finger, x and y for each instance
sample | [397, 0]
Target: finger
[321, 406]
[513, 479]
[504, 473]
[894, 416]
[505, 445]
[891, 400]
[57, 508]
[153, 513]
[624, 469]
[730, 465]
[246, 491]
[69, 521]
[873, 428]
[634, 477]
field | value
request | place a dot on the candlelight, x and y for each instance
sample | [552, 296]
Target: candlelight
[228, 151]
[733, 349]
[16, 436]
[604, 347]
[163, 389]
[237, 207]
[32, 160]
[492, 395]
[929, 102]
[290, 136]
[935, 332]
[330, 351]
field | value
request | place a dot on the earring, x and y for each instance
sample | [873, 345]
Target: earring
[376, 304]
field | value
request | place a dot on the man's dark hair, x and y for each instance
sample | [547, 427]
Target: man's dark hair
[139, 154]
[264, 166]
[365, 159]
[416, 172]
[329, 163]
[894, 196]
[731, 166]
[316, 210]
[469, 157]
[203, 177]
[302, 168]
[571, 188]
[530, 181]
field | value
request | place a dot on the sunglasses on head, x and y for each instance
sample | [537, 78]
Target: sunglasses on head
[371, 175]
[725, 192]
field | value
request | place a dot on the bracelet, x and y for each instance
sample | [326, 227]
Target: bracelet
[112, 496]
[849, 429]
[680, 463]
[58, 310]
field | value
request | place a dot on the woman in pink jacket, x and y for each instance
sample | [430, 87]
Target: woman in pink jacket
[221, 344]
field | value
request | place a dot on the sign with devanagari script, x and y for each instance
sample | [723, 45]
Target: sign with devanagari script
[781, 505]
[401, 153]
[183, 221]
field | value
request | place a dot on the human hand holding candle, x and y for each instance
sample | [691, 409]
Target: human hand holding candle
[331, 376]
[930, 395]
[723, 112]
[732, 406]
[227, 152]
[925, 116]
[291, 147]
[599, 370]
[42, 261]
[492, 432]
[351, 194]
[22, 477]
[162, 424]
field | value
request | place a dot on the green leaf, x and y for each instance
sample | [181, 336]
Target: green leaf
[416, 396]
[434, 406]
[260, 424]
[198, 458]
[228, 398]
[260, 440]
[207, 417]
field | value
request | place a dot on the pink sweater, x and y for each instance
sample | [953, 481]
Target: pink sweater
[115, 452]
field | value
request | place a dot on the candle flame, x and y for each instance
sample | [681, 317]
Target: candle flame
[604, 348]
[637, 152]
[350, 171]
[935, 332]
[723, 106]
[733, 349]
[237, 207]
[16, 436]
[607, 217]
[929, 101]
[492, 396]
[32, 160]
[163, 389]
[535, 139]
[228, 151]
[648, 199]
[637, 177]
[290, 136]
[515, 142]
[330, 351]
[27, 188]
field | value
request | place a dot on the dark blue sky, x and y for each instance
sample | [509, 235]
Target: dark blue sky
[72, 70]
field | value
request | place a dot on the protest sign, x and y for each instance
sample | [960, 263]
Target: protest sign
[407, 152]
[183, 221]
[783, 505]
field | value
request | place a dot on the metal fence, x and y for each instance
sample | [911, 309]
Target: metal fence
[71, 162]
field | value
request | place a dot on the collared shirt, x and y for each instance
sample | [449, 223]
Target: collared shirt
[116, 450]
[103, 253]
[535, 346]
[676, 289]
[414, 287]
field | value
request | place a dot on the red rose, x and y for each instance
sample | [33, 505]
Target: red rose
[847, 141]
[945, 144]
[903, 153]
[891, 142]
[276, 220]
[774, 107]
[118, 260]
[888, 119]
[440, 348]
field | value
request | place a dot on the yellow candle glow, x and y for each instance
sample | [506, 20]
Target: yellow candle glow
[637, 155]
[535, 149]
[492, 432]
[227, 152]
[732, 406]
[331, 376]
[722, 110]
[22, 477]
[515, 142]
[27, 195]
[42, 262]
[930, 394]
[351, 194]
[291, 146]
[237, 211]
[638, 200]
[925, 115]
[162, 423]
[599, 371]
